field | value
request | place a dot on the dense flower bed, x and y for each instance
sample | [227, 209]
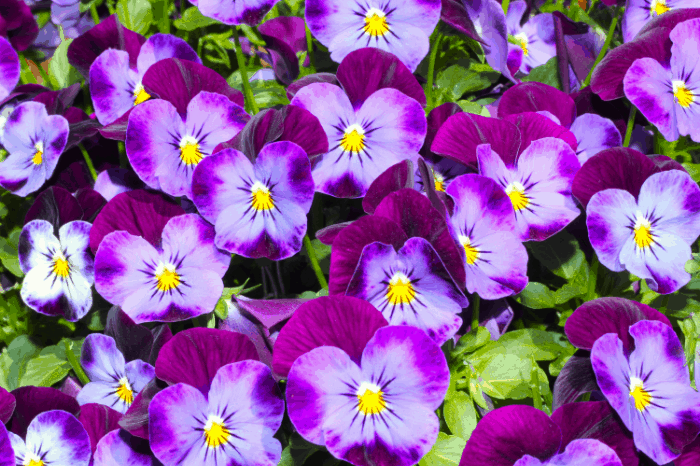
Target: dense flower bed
[384, 233]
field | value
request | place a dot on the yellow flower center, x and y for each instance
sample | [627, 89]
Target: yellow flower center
[215, 432]
[260, 197]
[33, 460]
[471, 251]
[522, 40]
[167, 277]
[400, 290]
[375, 23]
[61, 266]
[658, 7]
[516, 193]
[642, 232]
[683, 96]
[124, 391]
[642, 398]
[370, 399]
[39, 154]
[439, 181]
[354, 139]
[140, 94]
[189, 151]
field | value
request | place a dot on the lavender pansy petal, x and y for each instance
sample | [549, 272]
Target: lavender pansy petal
[9, 68]
[103, 393]
[594, 134]
[75, 237]
[490, 22]
[7, 453]
[249, 12]
[112, 84]
[191, 238]
[101, 359]
[32, 401]
[607, 218]
[612, 374]
[685, 62]
[116, 448]
[218, 182]
[161, 46]
[115, 181]
[286, 166]
[35, 241]
[98, 420]
[62, 438]
[139, 374]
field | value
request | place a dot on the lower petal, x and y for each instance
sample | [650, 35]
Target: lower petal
[501, 268]
[110, 87]
[115, 449]
[594, 134]
[648, 86]
[62, 438]
[103, 393]
[612, 371]
[608, 214]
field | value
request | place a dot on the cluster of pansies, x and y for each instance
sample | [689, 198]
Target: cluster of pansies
[505, 209]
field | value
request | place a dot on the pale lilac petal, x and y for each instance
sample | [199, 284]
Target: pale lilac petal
[607, 218]
[594, 134]
[162, 46]
[113, 85]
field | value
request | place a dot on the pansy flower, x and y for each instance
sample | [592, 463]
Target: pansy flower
[649, 388]
[35, 141]
[9, 68]
[164, 147]
[178, 280]
[535, 38]
[233, 424]
[118, 447]
[402, 27]
[670, 96]
[115, 84]
[7, 454]
[410, 287]
[59, 270]
[113, 382]
[485, 226]
[649, 236]
[54, 438]
[380, 411]
[259, 210]
[249, 12]
[640, 12]
[17, 24]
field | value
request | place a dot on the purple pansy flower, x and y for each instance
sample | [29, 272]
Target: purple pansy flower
[164, 147]
[581, 452]
[410, 287]
[670, 96]
[640, 12]
[649, 388]
[232, 425]
[119, 447]
[380, 411]
[249, 12]
[538, 184]
[484, 224]
[35, 141]
[54, 438]
[535, 38]
[649, 236]
[59, 272]
[388, 127]
[402, 27]
[115, 85]
[7, 454]
[32, 401]
[9, 68]
[179, 280]
[113, 382]
[259, 210]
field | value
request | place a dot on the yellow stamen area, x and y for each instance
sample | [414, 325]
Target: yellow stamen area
[642, 232]
[371, 399]
[354, 139]
[642, 398]
[439, 181]
[39, 154]
[522, 40]
[124, 391]
[31, 459]
[140, 94]
[658, 7]
[400, 290]
[471, 251]
[683, 96]
[260, 196]
[215, 432]
[189, 151]
[61, 267]
[167, 277]
[35, 462]
[516, 193]
[375, 23]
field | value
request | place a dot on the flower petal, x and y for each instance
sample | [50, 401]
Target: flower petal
[61, 437]
[607, 218]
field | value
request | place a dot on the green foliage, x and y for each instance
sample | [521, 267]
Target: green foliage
[193, 20]
[136, 15]
[447, 451]
[61, 73]
[455, 81]
[547, 74]
[221, 309]
[9, 252]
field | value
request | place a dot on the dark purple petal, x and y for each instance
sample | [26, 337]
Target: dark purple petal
[193, 356]
[534, 126]
[454, 14]
[284, 58]
[595, 318]
[436, 118]
[91, 202]
[32, 401]
[536, 97]
[396, 177]
[575, 379]
[57, 102]
[115, 181]
[341, 321]
[365, 71]
[293, 88]
[7, 405]
[55, 205]
[269, 312]
[18, 24]
[98, 420]
[139, 212]
[290, 29]
[328, 234]
[109, 34]
[690, 455]
[133, 341]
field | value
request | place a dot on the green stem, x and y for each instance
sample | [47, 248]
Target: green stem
[431, 70]
[535, 383]
[505, 4]
[75, 364]
[630, 126]
[310, 50]
[247, 91]
[664, 303]
[93, 13]
[26, 73]
[183, 3]
[88, 161]
[604, 50]
[475, 311]
[314, 262]
[44, 76]
[593, 278]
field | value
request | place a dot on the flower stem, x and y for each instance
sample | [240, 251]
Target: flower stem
[603, 51]
[630, 126]
[592, 278]
[75, 364]
[247, 91]
[476, 301]
[535, 384]
[505, 4]
[88, 161]
[26, 73]
[314, 262]
[310, 49]
[431, 70]
[93, 13]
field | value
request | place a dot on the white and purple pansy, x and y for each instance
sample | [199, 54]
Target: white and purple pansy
[113, 382]
[59, 271]
[179, 280]
[640, 12]
[258, 209]
[34, 140]
[535, 38]
[232, 425]
[410, 287]
[9, 68]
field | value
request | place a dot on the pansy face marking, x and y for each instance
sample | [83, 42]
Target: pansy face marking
[522, 40]
[260, 197]
[657, 7]
[32, 459]
[215, 432]
[167, 278]
[471, 250]
[643, 236]
[39, 154]
[124, 391]
[439, 181]
[516, 193]
[400, 290]
[375, 22]
[642, 398]
[61, 266]
[353, 139]
[140, 94]
[370, 399]
[681, 94]
[190, 153]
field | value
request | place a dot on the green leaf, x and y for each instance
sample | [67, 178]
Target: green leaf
[297, 452]
[455, 81]
[135, 15]
[531, 342]
[470, 342]
[506, 376]
[162, 15]
[14, 361]
[536, 296]
[45, 369]
[472, 107]
[14, 316]
[447, 451]
[9, 252]
[193, 19]
[460, 414]
[547, 74]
